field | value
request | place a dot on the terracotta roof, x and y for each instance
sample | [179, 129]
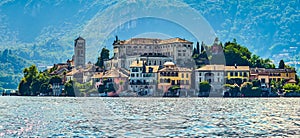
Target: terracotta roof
[98, 75]
[176, 69]
[173, 40]
[291, 81]
[211, 68]
[153, 41]
[268, 71]
[71, 73]
[237, 68]
[114, 73]
[137, 64]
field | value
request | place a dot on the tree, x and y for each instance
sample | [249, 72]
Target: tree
[198, 48]
[104, 55]
[202, 47]
[256, 83]
[24, 88]
[55, 79]
[236, 54]
[233, 90]
[45, 88]
[30, 75]
[204, 86]
[291, 87]
[246, 88]
[281, 64]
[69, 89]
[194, 52]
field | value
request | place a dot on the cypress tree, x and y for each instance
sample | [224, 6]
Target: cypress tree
[281, 64]
[198, 49]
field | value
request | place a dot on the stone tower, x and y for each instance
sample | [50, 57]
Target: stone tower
[79, 52]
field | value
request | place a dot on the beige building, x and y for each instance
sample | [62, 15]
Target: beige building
[172, 75]
[214, 74]
[179, 50]
[266, 76]
[218, 75]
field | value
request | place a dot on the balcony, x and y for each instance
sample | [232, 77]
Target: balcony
[142, 83]
[169, 74]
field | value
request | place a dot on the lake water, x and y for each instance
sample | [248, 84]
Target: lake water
[135, 117]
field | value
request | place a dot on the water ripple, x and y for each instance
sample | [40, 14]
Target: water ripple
[154, 117]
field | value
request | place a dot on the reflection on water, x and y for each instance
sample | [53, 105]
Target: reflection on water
[132, 117]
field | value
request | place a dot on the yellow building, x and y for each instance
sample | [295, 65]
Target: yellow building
[237, 72]
[268, 75]
[172, 75]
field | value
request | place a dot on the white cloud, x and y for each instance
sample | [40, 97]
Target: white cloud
[5, 1]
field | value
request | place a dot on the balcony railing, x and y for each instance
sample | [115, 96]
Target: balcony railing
[142, 83]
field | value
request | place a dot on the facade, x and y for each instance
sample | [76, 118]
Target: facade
[79, 52]
[214, 74]
[266, 76]
[237, 72]
[218, 75]
[172, 75]
[151, 59]
[118, 79]
[81, 75]
[143, 79]
[179, 50]
[114, 76]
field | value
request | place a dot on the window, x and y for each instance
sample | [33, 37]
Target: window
[183, 50]
[179, 54]
[134, 46]
[182, 75]
[200, 74]
[236, 73]
[187, 75]
[183, 54]
[137, 75]
[200, 80]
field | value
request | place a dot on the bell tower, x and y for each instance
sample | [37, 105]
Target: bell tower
[79, 52]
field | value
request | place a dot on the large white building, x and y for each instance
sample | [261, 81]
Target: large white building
[214, 74]
[177, 49]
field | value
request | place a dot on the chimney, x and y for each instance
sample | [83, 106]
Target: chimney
[235, 66]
